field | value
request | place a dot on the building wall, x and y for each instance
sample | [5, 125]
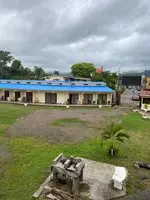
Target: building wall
[62, 97]
[23, 94]
[95, 96]
[39, 97]
[143, 107]
[109, 97]
[147, 83]
[1, 93]
[12, 95]
[53, 78]
[81, 97]
[145, 104]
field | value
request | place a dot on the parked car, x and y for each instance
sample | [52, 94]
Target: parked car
[135, 97]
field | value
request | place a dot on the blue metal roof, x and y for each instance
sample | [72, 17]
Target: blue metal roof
[53, 81]
[61, 88]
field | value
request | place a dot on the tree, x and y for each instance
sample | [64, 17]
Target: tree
[38, 72]
[110, 79]
[56, 72]
[114, 134]
[97, 77]
[16, 68]
[5, 58]
[84, 70]
[27, 74]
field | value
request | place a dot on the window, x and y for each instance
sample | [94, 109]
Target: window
[38, 82]
[49, 83]
[28, 82]
[72, 83]
[8, 82]
[18, 82]
[85, 84]
[60, 83]
[146, 100]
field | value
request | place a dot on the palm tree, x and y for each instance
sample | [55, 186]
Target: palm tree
[114, 133]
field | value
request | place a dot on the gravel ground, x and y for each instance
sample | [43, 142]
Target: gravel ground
[38, 124]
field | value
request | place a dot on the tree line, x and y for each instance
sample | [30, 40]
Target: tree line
[88, 70]
[11, 68]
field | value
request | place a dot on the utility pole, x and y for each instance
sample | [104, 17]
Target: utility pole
[118, 95]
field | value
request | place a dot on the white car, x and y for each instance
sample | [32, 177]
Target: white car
[135, 97]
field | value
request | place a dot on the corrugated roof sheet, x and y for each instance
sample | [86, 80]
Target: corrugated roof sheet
[52, 81]
[66, 88]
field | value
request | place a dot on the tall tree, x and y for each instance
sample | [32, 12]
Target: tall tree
[39, 73]
[97, 77]
[16, 67]
[5, 59]
[84, 70]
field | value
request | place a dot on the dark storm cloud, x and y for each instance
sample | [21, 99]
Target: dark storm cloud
[57, 33]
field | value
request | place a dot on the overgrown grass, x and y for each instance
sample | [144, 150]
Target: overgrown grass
[68, 122]
[134, 122]
[31, 158]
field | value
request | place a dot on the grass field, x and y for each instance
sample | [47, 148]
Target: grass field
[30, 160]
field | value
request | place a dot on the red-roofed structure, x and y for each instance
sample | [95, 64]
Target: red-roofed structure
[145, 93]
[145, 100]
[99, 70]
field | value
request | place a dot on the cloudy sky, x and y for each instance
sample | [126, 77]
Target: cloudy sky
[55, 34]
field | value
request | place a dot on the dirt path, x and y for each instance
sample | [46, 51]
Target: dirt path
[39, 124]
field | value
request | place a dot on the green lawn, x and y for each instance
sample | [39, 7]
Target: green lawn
[31, 158]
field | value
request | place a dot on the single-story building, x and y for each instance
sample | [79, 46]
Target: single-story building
[65, 78]
[50, 92]
[145, 100]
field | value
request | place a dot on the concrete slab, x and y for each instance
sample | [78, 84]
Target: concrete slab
[96, 185]
[99, 178]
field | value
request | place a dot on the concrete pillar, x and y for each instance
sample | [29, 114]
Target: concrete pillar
[75, 186]
[81, 97]
[95, 96]
[142, 100]
[109, 98]
[1, 93]
[12, 95]
[36, 97]
[23, 94]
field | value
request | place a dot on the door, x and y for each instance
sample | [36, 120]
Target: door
[73, 98]
[51, 98]
[6, 94]
[88, 99]
[29, 97]
[102, 99]
[17, 96]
